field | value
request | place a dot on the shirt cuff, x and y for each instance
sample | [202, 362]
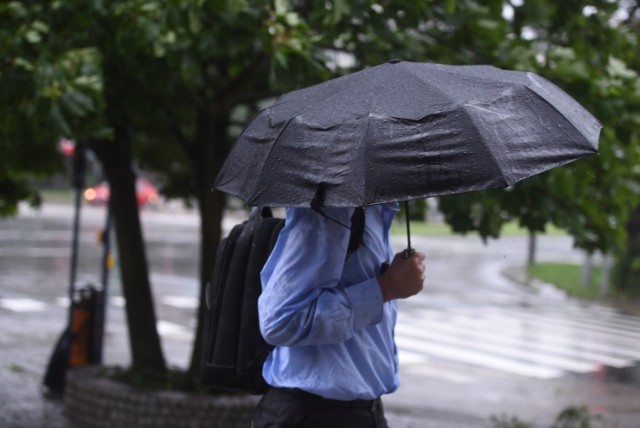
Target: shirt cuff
[366, 302]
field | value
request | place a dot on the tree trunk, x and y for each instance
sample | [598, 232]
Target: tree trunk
[115, 156]
[146, 350]
[207, 158]
[628, 266]
[586, 271]
[531, 249]
[606, 273]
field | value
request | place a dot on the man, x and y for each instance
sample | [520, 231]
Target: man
[331, 317]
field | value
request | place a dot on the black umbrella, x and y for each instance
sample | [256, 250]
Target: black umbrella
[401, 131]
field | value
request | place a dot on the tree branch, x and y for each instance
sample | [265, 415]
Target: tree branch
[254, 96]
[234, 88]
[632, 13]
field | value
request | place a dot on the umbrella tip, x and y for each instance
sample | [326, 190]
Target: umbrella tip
[394, 61]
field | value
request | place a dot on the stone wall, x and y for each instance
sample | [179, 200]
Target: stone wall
[94, 401]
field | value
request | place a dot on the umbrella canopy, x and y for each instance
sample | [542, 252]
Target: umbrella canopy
[401, 131]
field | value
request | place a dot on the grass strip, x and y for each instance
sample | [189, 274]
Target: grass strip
[568, 277]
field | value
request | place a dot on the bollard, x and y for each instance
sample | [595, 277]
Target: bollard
[85, 322]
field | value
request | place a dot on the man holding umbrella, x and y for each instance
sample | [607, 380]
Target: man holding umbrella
[398, 131]
[331, 316]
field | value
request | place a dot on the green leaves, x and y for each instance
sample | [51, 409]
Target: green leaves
[617, 68]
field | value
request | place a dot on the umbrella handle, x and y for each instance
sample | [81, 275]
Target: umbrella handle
[408, 252]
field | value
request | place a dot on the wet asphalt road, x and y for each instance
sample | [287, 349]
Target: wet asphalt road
[473, 344]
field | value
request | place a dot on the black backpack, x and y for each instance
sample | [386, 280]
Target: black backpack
[234, 350]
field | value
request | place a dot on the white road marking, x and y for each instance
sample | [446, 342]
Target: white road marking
[23, 304]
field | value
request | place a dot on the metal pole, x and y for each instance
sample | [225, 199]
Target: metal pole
[102, 313]
[79, 163]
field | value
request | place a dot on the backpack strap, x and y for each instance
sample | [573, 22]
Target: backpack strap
[356, 229]
[260, 212]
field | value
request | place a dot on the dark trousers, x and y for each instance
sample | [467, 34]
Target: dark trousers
[280, 408]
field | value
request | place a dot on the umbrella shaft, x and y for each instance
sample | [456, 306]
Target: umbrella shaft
[408, 252]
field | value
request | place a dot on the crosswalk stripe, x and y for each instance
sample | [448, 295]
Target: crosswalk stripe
[584, 323]
[34, 252]
[22, 304]
[591, 339]
[509, 338]
[173, 280]
[182, 302]
[519, 335]
[477, 358]
[543, 331]
[405, 356]
[605, 314]
[42, 235]
[174, 331]
[583, 317]
[471, 342]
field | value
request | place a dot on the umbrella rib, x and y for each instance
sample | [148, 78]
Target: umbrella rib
[421, 82]
[544, 98]
[534, 79]
[266, 159]
[339, 85]
[489, 148]
[365, 160]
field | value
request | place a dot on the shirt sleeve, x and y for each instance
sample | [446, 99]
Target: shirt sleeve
[303, 302]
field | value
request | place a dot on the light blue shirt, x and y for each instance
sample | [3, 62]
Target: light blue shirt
[324, 313]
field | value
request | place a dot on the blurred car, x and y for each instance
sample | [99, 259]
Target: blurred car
[146, 193]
